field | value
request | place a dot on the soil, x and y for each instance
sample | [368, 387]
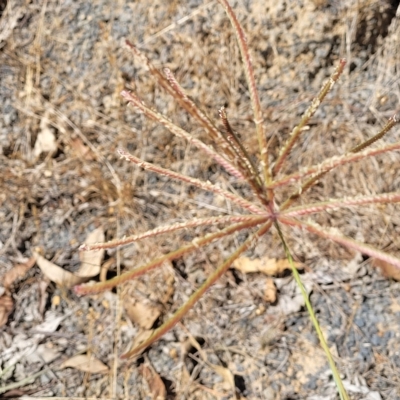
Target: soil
[62, 119]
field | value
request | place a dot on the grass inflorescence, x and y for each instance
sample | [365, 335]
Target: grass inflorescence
[262, 212]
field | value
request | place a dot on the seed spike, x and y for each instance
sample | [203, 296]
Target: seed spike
[327, 87]
[190, 106]
[176, 130]
[345, 202]
[255, 100]
[334, 235]
[168, 229]
[240, 201]
[312, 181]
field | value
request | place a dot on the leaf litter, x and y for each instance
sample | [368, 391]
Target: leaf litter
[90, 264]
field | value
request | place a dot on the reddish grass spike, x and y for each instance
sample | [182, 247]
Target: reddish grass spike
[332, 234]
[193, 181]
[189, 105]
[334, 162]
[168, 229]
[387, 127]
[244, 160]
[176, 130]
[172, 87]
[297, 130]
[198, 242]
[255, 100]
[307, 209]
[312, 181]
[238, 148]
[158, 333]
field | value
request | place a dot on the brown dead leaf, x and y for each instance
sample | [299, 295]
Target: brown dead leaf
[18, 271]
[57, 274]
[142, 313]
[143, 298]
[155, 383]
[388, 270]
[6, 306]
[85, 363]
[267, 266]
[270, 291]
[91, 260]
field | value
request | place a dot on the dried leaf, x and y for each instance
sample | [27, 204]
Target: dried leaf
[142, 313]
[43, 353]
[267, 266]
[143, 298]
[51, 322]
[388, 270]
[270, 291]
[226, 375]
[57, 274]
[6, 306]
[45, 142]
[91, 260]
[86, 363]
[155, 383]
[18, 271]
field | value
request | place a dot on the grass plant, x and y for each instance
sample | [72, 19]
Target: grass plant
[263, 174]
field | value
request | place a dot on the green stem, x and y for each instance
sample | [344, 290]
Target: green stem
[339, 384]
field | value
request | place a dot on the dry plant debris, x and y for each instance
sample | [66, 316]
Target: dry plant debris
[90, 264]
[18, 271]
[267, 266]
[85, 363]
[49, 57]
